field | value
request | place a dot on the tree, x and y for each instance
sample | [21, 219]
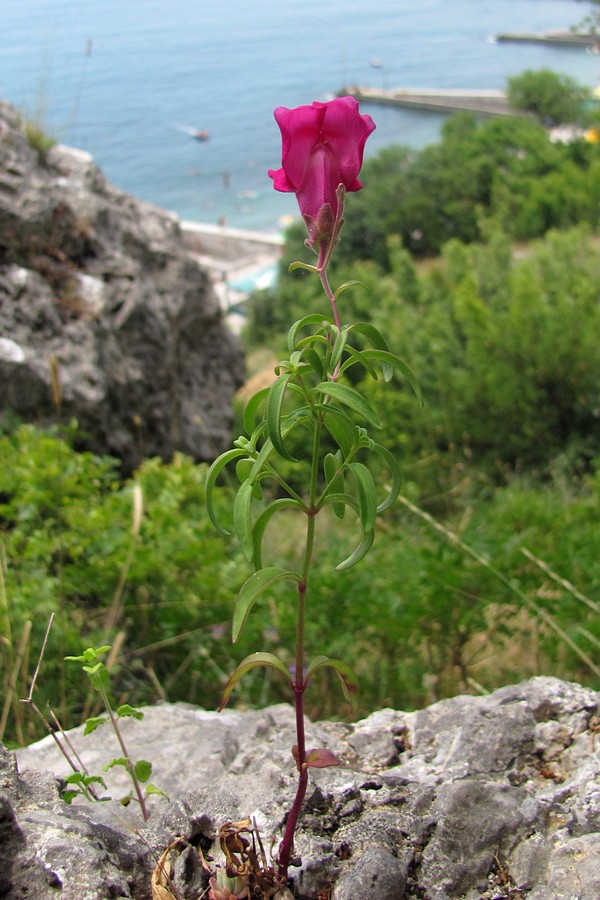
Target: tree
[554, 98]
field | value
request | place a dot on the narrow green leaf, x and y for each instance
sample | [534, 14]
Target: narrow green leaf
[345, 673]
[273, 414]
[339, 498]
[251, 590]
[251, 662]
[312, 319]
[143, 770]
[335, 481]
[395, 473]
[338, 348]
[263, 520]
[340, 426]
[315, 362]
[244, 469]
[389, 361]
[252, 407]
[373, 336]
[348, 284]
[126, 710]
[356, 356]
[211, 479]
[261, 459]
[298, 417]
[367, 496]
[302, 265]
[242, 518]
[359, 553]
[347, 396]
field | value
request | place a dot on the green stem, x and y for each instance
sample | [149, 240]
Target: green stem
[129, 766]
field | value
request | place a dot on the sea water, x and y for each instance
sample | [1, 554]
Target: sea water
[131, 81]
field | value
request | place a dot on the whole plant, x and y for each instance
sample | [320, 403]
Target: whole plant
[311, 412]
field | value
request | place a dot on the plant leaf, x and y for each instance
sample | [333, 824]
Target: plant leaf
[347, 396]
[315, 362]
[338, 348]
[242, 518]
[94, 722]
[312, 319]
[334, 477]
[263, 520]
[395, 472]
[252, 407]
[211, 479]
[302, 265]
[359, 553]
[251, 662]
[273, 414]
[367, 496]
[344, 672]
[388, 362]
[251, 590]
[126, 710]
[152, 789]
[356, 356]
[372, 334]
[143, 770]
[118, 761]
[340, 426]
[348, 284]
[321, 759]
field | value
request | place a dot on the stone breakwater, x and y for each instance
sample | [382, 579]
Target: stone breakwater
[483, 102]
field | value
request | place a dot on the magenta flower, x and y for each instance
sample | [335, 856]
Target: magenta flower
[322, 148]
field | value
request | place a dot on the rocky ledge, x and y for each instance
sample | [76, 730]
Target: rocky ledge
[104, 285]
[473, 797]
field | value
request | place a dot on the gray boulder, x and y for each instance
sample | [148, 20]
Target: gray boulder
[104, 284]
[473, 797]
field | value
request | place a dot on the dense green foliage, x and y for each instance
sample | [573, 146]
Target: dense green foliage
[555, 99]
[419, 618]
[499, 171]
[68, 547]
[504, 348]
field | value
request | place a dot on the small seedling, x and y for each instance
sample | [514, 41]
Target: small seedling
[139, 771]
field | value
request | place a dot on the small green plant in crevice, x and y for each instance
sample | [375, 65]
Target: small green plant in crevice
[140, 770]
[38, 138]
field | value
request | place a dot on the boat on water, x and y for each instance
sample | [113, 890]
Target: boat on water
[201, 135]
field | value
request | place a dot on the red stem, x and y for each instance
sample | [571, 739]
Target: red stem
[286, 847]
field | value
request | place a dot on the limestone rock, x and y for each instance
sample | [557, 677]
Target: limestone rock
[473, 797]
[105, 285]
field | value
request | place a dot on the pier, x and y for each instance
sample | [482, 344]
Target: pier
[482, 102]
[556, 38]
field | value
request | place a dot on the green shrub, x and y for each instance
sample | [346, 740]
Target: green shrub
[554, 98]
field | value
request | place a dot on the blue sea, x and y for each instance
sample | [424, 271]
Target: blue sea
[131, 80]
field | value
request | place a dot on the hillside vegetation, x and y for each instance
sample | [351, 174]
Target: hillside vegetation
[479, 260]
